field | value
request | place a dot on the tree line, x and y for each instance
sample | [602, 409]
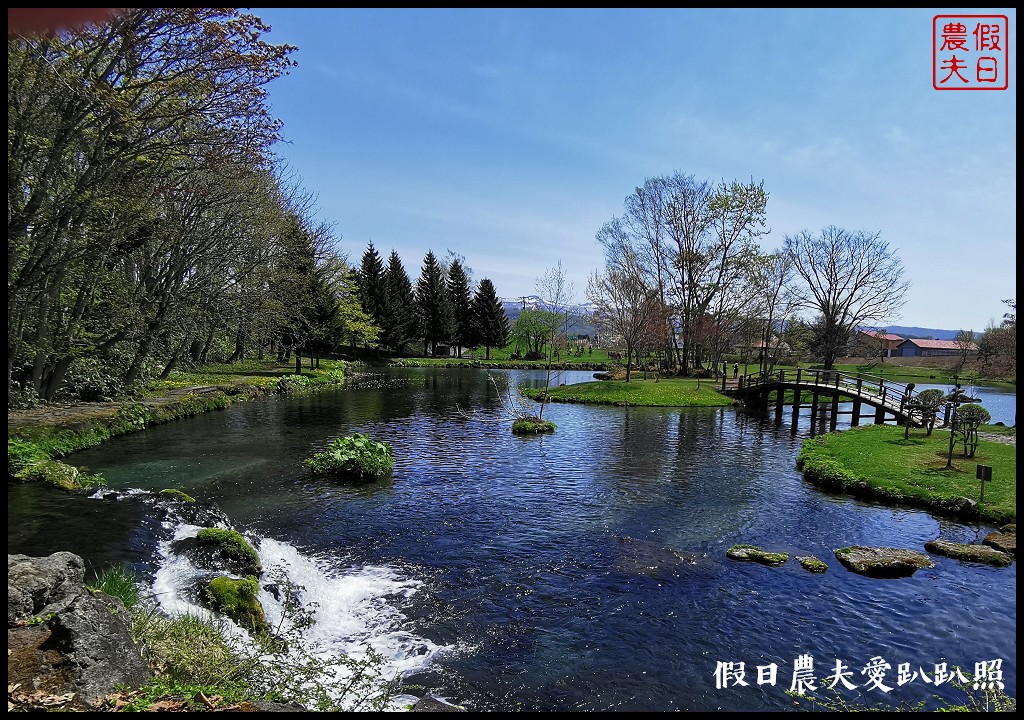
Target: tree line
[685, 277]
[440, 310]
[151, 226]
[149, 222]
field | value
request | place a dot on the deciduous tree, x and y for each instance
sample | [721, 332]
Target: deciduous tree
[849, 279]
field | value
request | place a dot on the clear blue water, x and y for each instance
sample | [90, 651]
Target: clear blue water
[584, 570]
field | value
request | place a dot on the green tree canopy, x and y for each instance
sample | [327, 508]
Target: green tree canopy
[490, 324]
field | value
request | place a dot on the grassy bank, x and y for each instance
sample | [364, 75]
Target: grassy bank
[667, 392]
[876, 462]
[49, 432]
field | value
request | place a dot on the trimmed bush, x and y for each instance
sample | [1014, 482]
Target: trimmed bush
[356, 457]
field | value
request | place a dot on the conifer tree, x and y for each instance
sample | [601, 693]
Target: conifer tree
[372, 289]
[432, 305]
[401, 321]
[460, 298]
[490, 324]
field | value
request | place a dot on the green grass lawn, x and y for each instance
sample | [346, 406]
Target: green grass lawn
[260, 373]
[876, 461]
[667, 392]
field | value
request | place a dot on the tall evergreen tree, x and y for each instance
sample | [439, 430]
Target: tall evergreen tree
[401, 322]
[460, 298]
[432, 305]
[490, 324]
[372, 288]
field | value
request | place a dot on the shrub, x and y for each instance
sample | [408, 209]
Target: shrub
[21, 454]
[356, 457]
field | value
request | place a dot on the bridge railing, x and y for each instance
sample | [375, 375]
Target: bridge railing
[892, 396]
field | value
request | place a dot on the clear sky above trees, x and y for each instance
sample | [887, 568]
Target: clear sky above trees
[510, 136]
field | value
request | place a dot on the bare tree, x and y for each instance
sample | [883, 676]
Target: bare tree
[556, 294]
[849, 279]
[965, 345]
[624, 306]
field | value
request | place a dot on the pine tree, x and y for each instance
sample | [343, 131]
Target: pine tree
[432, 305]
[401, 321]
[372, 289]
[491, 325]
[462, 317]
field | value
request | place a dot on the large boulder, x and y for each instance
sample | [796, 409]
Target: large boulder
[882, 562]
[65, 641]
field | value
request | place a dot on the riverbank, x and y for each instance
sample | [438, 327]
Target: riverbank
[53, 431]
[876, 462]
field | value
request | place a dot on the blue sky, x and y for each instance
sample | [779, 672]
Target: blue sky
[509, 136]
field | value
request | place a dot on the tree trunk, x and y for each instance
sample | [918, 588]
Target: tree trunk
[298, 362]
[56, 377]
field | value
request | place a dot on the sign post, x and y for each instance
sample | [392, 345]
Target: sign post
[984, 474]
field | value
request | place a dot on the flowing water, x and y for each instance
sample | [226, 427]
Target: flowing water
[584, 570]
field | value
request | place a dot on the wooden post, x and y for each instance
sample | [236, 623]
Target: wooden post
[855, 420]
[780, 396]
[835, 409]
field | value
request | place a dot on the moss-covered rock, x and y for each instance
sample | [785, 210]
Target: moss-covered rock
[232, 547]
[237, 598]
[59, 474]
[882, 562]
[532, 426]
[969, 552]
[756, 554]
[177, 495]
[812, 564]
[1003, 542]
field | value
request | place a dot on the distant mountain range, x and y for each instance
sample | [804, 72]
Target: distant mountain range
[514, 306]
[580, 313]
[909, 331]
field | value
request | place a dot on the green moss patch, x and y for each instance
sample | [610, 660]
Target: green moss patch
[62, 475]
[969, 552]
[532, 426]
[812, 564]
[238, 600]
[756, 554]
[177, 495]
[233, 547]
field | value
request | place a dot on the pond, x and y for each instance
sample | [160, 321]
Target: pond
[581, 571]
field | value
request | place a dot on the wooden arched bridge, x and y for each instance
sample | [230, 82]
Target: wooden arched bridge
[887, 399]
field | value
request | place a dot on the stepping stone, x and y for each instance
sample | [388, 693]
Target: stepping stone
[756, 554]
[969, 552]
[1004, 542]
[882, 562]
